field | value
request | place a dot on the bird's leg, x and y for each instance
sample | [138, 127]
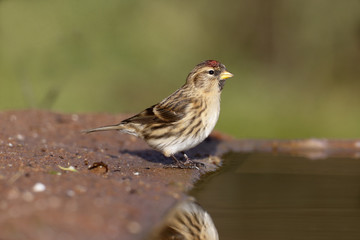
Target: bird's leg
[191, 163]
[187, 164]
[177, 162]
[187, 159]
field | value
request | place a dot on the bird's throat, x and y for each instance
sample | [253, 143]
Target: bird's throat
[221, 84]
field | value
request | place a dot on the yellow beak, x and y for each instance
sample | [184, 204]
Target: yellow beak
[225, 75]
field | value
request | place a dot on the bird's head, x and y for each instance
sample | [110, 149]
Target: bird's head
[208, 76]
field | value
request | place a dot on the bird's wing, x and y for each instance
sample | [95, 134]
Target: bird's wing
[146, 116]
[163, 112]
[172, 111]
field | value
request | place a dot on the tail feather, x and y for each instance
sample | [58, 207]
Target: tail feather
[104, 128]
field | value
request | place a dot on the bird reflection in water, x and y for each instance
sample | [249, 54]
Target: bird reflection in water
[187, 221]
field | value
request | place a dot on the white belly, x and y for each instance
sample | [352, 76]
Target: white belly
[209, 119]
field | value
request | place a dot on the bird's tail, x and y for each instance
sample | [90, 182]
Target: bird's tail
[105, 128]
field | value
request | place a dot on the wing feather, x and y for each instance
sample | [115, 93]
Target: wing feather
[163, 112]
[172, 111]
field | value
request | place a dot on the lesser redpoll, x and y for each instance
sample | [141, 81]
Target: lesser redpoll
[185, 118]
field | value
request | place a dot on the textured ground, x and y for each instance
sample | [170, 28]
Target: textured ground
[57, 183]
[119, 188]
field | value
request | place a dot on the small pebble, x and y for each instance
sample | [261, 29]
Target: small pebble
[39, 187]
[20, 137]
[80, 189]
[70, 193]
[75, 117]
[134, 227]
[136, 173]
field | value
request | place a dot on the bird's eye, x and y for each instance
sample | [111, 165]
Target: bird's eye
[211, 72]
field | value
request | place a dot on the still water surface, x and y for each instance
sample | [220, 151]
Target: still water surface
[268, 196]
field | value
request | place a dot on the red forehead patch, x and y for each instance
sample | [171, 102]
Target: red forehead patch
[212, 63]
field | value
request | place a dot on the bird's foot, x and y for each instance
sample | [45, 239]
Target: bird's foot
[188, 164]
[195, 164]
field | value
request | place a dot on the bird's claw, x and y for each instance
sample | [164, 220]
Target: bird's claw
[188, 164]
[183, 166]
[193, 164]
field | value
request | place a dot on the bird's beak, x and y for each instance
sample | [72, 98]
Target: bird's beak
[225, 75]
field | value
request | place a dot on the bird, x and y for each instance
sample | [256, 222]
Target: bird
[186, 221]
[182, 120]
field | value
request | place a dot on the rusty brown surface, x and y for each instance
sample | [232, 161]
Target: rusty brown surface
[120, 189]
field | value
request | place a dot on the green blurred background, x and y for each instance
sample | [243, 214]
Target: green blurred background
[296, 62]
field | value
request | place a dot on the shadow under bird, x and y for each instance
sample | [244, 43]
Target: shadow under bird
[185, 118]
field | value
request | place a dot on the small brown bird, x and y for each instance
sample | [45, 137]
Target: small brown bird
[185, 118]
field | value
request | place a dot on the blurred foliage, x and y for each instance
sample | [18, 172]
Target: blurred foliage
[296, 62]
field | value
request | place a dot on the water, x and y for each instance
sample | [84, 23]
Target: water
[268, 196]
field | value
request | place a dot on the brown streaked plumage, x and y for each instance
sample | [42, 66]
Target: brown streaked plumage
[185, 118]
[186, 221]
